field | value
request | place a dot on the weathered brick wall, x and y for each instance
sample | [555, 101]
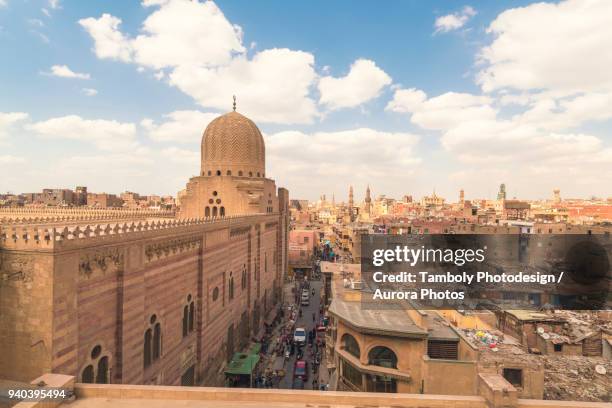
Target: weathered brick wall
[101, 289]
[26, 286]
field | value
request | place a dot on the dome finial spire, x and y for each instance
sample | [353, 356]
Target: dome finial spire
[234, 103]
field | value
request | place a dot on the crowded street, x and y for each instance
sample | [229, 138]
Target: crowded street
[309, 320]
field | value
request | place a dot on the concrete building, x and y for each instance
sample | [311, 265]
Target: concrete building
[103, 200]
[400, 349]
[302, 248]
[138, 297]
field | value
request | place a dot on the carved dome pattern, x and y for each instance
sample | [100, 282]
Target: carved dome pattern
[232, 142]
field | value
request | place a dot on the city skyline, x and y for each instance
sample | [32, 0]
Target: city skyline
[452, 96]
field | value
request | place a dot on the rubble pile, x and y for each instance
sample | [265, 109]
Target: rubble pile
[583, 323]
[577, 379]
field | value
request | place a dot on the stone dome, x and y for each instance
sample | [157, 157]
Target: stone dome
[233, 145]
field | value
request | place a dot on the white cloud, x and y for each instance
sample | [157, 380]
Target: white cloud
[441, 112]
[566, 113]
[90, 91]
[564, 48]
[273, 86]
[9, 159]
[152, 3]
[104, 134]
[178, 33]
[45, 12]
[454, 21]
[54, 4]
[36, 22]
[63, 71]
[180, 127]
[336, 159]
[109, 42]
[184, 157]
[364, 82]
[202, 54]
[3, 3]
[406, 100]
[8, 120]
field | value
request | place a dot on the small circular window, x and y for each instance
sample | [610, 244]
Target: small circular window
[211, 201]
[218, 201]
[189, 298]
[153, 319]
[215, 294]
[215, 193]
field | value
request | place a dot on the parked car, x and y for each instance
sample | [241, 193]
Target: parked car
[299, 335]
[300, 370]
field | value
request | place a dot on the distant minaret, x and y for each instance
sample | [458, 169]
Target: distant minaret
[461, 196]
[557, 196]
[368, 201]
[351, 203]
[333, 200]
[502, 192]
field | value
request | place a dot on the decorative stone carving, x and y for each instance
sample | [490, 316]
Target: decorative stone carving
[16, 268]
[165, 249]
[109, 260]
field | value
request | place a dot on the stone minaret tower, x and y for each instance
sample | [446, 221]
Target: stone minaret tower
[351, 203]
[368, 201]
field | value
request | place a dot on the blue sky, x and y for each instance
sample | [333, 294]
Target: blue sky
[407, 97]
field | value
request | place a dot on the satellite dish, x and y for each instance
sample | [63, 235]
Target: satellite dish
[545, 336]
[540, 330]
[599, 369]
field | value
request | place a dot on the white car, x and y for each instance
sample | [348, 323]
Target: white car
[299, 336]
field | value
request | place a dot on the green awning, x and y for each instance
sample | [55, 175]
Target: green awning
[242, 364]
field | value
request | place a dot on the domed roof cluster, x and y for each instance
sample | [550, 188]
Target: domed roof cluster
[233, 145]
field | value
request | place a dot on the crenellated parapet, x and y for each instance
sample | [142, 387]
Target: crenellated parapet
[76, 214]
[28, 236]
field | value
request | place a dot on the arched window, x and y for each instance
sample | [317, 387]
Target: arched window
[207, 212]
[102, 376]
[244, 278]
[383, 357]
[214, 212]
[157, 341]
[229, 172]
[88, 375]
[209, 173]
[350, 345]
[218, 172]
[231, 287]
[215, 294]
[152, 341]
[188, 316]
[240, 173]
[191, 316]
[222, 212]
[185, 321]
[250, 174]
[148, 337]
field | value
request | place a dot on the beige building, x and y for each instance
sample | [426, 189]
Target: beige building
[140, 297]
[398, 349]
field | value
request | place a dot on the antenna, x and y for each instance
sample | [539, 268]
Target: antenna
[234, 103]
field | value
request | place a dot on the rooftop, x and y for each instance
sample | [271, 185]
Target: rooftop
[390, 320]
